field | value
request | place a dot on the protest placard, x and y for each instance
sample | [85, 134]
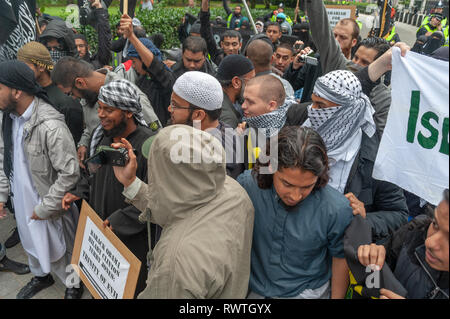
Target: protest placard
[105, 265]
[414, 150]
[336, 13]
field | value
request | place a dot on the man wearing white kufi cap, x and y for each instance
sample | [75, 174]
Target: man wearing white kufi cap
[197, 100]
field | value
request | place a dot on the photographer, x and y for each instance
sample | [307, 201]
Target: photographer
[120, 113]
[303, 75]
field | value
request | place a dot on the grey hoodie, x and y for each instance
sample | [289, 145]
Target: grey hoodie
[207, 220]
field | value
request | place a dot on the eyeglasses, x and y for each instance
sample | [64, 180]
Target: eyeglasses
[174, 107]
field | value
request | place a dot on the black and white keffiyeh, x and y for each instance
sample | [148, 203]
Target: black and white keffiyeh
[354, 111]
[122, 95]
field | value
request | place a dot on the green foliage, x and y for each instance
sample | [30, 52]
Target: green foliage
[165, 20]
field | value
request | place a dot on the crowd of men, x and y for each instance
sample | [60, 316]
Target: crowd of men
[235, 224]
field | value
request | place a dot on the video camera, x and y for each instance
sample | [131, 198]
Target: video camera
[109, 156]
[308, 59]
[86, 12]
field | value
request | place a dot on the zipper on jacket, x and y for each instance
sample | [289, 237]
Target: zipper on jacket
[437, 289]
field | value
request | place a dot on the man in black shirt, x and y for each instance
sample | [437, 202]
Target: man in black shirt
[121, 116]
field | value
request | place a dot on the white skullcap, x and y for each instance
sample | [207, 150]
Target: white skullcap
[199, 89]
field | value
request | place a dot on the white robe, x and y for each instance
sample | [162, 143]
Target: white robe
[43, 239]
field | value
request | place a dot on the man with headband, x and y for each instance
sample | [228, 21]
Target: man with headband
[343, 116]
[120, 114]
[40, 163]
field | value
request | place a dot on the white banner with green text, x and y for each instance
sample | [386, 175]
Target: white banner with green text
[414, 150]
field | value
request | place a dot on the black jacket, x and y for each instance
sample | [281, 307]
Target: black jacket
[217, 55]
[57, 29]
[305, 77]
[158, 88]
[103, 55]
[405, 255]
[70, 108]
[384, 202]
[229, 114]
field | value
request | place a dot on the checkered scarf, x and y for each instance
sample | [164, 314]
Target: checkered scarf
[272, 122]
[354, 111]
[122, 95]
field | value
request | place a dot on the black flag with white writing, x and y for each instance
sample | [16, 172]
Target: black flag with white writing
[18, 26]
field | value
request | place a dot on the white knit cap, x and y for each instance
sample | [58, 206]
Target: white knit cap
[199, 89]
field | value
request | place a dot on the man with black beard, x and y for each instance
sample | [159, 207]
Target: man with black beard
[120, 114]
[233, 73]
[77, 78]
[196, 100]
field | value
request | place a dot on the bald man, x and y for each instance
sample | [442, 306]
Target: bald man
[265, 110]
[261, 54]
[262, 95]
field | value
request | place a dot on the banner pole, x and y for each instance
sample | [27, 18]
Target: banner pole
[383, 19]
[250, 16]
[125, 6]
[296, 11]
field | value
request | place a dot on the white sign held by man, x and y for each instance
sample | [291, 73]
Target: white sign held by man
[106, 266]
[414, 150]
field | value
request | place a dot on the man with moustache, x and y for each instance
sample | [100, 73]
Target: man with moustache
[197, 101]
[77, 78]
[120, 115]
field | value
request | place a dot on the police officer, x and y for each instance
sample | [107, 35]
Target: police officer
[432, 26]
[392, 37]
[438, 9]
[278, 11]
[360, 24]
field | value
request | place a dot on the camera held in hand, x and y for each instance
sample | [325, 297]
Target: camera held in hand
[109, 156]
[308, 59]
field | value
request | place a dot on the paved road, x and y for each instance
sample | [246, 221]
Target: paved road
[406, 32]
[10, 283]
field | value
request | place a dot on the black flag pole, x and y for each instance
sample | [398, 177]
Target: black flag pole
[385, 17]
